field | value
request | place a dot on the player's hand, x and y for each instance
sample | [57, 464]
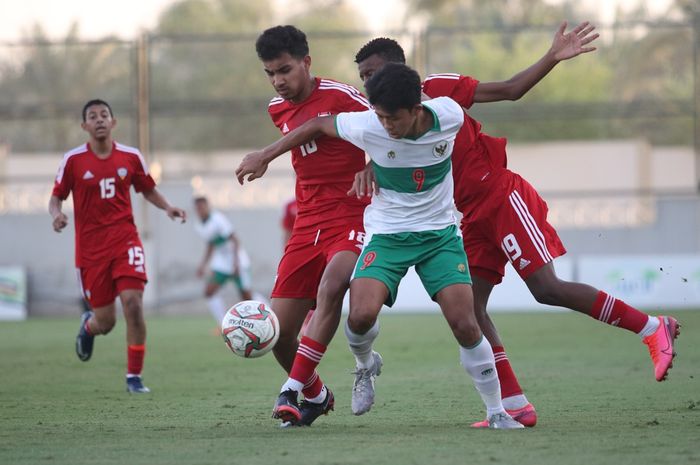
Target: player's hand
[573, 43]
[60, 221]
[253, 165]
[364, 183]
[174, 212]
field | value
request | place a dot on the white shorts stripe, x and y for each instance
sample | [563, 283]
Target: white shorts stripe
[530, 226]
[533, 223]
[80, 282]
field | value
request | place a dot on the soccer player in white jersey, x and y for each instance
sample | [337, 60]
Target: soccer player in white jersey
[224, 256]
[411, 223]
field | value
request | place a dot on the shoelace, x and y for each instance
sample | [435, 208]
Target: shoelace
[361, 379]
[653, 348]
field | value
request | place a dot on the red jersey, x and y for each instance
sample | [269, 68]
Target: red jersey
[101, 199]
[289, 215]
[325, 167]
[478, 160]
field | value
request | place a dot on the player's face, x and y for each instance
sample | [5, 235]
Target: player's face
[202, 210]
[289, 76]
[369, 66]
[98, 122]
[401, 123]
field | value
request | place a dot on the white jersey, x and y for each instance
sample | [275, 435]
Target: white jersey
[216, 230]
[414, 176]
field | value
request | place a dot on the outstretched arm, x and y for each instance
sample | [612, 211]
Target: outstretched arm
[564, 46]
[255, 163]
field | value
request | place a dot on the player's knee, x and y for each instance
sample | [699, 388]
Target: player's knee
[105, 324]
[547, 295]
[133, 305]
[466, 331]
[360, 320]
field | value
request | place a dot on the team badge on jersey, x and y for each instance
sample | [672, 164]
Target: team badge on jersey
[122, 172]
[440, 149]
[391, 154]
[461, 267]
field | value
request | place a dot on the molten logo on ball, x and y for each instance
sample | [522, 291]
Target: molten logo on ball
[250, 329]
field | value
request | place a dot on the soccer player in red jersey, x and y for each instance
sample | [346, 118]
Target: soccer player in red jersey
[109, 256]
[328, 231]
[505, 219]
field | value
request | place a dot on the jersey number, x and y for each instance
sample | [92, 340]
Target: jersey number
[107, 189]
[308, 148]
[359, 236]
[511, 247]
[419, 178]
[136, 257]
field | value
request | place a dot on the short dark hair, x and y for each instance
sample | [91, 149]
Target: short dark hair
[96, 101]
[277, 40]
[388, 49]
[393, 87]
[201, 199]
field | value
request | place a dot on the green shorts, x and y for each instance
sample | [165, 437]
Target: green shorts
[438, 256]
[241, 280]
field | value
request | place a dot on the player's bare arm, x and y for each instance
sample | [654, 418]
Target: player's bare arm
[156, 198]
[255, 163]
[364, 183]
[565, 45]
[60, 220]
[202, 268]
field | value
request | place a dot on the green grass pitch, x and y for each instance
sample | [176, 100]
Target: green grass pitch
[592, 385]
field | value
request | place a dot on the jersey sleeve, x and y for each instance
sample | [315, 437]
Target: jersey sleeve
[64, 179]
[142, 180]
[352, 126]
[459, 88]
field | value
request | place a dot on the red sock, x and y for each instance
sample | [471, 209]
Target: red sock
[306, 360]
[135, 355]
[506, 376]
[614, 312]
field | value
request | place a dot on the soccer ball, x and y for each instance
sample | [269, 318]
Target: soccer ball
[250, 329]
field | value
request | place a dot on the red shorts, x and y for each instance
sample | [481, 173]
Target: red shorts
[307, 254]
[515, 230]
[102, 283]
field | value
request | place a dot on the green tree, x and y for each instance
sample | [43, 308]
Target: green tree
[43, 86]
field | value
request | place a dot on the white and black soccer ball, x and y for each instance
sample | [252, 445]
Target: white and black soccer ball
[250, 329]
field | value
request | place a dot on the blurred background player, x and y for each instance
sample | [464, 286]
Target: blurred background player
[328, 231]
[224, 256]
[108, 251]
[505, 219]
[289, 215]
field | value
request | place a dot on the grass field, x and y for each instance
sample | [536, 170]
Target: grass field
[592, 385]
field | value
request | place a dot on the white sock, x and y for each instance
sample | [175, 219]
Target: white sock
[478, 361]
[361, 345]
[651, 327]
[319, 398]
[515, 402]
[217, 307]
[294, 385]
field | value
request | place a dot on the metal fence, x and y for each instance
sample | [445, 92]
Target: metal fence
[195, 103]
